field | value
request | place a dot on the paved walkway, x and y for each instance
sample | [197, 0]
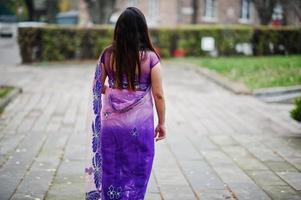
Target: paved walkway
[219, 146]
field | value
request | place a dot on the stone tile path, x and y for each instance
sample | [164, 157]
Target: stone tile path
[219, 145]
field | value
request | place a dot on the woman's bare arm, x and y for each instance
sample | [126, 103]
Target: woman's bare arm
[157, 90]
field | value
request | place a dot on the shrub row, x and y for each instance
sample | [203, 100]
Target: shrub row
[53, 43]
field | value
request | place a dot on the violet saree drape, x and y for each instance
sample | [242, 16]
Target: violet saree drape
[120, 141]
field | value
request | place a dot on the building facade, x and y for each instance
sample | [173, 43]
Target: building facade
[173, 12]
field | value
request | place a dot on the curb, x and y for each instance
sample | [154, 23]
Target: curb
[8, 98]
[278, 94]
[274, 91]
[235, 87]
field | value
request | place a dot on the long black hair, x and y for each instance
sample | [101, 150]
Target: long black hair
[130, 36]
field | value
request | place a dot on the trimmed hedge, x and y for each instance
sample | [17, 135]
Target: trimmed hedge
[296, 112]
[57, 43]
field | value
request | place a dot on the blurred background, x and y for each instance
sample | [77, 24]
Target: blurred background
[187, 29]
[171, 12]
[232, 76]
[191, 27]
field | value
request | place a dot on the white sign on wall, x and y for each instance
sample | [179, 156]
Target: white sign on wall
[207, 44]
[245, 48]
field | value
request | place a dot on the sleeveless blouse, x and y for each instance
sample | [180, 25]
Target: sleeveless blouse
[148, 60]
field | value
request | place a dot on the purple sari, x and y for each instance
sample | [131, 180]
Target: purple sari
[121, 139]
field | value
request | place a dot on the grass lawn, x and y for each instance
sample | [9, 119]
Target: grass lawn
[4, 91]
[255, 72]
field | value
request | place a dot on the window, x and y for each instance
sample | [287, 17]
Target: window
[245, 9]
[209, 9]
[153, 10]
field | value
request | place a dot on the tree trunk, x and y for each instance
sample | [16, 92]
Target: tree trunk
[195, 7]
[265, 10]
[31, 11]
[52, 10]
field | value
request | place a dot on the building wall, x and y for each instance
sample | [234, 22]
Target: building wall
[157, 12]
[185, 11]
[227, 12]
[173, 12]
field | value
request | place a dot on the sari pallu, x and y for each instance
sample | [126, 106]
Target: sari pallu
[121, 143]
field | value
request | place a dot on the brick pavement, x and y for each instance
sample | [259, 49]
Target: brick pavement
[219, 145]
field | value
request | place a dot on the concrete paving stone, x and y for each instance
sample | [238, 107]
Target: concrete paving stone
[264, 154]
[70, 169]
[53, 126]
[72, 188]
[71, 113]
[239, 182]
[266, 177]
[153, 196]
[68, 182]
[212, 109]
[76, 147]
[66, 128]
[281, 192]
[243, 158]
[215, 194]
[217, 158]
[43, 120]
[223, 140]
[39, 181]
[40, 175]
[201, 176]
[173, 192]
[281, 166]
[247, 140]
[15, 168]
[202, 142]
[80, 124]
[284, 148]
[292, 178]
[26, 124]
[232, 174]
[163, 153]
[63, 105]
[289, 154]
[247, 191]
[182, 148]
[44, 102]
[278, 124]
[297, 165]
[213, 138]
[152, 185]
[8, 145]
[169, 176]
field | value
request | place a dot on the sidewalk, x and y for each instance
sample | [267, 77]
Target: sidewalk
[219, 145]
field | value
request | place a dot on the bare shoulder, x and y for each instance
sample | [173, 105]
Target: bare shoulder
[108, 48]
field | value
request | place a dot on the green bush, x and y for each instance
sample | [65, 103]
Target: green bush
[29, 40]
[52, 43]
[296, 112]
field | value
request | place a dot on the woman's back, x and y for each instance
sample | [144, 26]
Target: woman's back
[148, 60]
